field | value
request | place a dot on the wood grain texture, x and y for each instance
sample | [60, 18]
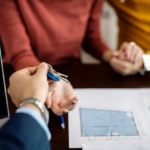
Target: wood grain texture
[84, 76]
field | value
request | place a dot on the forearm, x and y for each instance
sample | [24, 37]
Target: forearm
[18, 50]
[95, 46]
[93, 42]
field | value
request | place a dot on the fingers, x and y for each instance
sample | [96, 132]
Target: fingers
[72, 107]
[42, 69]
[139, 53]
[69, 104]
[133, 56]
[115, 54]
[124, 67]
[124, 46]
[125, 51]
[131, 52]
[57, 110]
[120, 66]
[138, 56]
[28, 71]
[63, 107]
[122, 56]
[55, 106]
[128, 52]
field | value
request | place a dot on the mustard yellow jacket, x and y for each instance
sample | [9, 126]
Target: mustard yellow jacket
[133, 22]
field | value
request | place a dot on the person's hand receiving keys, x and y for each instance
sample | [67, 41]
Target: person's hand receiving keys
[63, 98]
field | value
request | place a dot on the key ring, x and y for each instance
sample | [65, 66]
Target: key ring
[57, 74]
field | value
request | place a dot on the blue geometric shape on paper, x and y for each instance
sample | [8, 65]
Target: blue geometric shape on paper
[95, 122]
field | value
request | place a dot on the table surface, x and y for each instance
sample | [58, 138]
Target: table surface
[84, 76]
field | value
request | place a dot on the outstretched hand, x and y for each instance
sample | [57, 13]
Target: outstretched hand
[63, 98]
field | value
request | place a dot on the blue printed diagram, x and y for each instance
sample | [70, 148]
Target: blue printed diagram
[95, 122]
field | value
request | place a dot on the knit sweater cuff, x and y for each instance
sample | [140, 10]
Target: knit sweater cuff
[26, 61]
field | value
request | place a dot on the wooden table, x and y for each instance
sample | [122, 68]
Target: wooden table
[85, 76]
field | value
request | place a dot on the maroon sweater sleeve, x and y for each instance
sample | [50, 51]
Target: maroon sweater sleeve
[15, 40]
[93, 42]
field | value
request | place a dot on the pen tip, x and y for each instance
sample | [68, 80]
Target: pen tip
[63, 126]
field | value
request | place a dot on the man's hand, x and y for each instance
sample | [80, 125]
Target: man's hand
[30, 82]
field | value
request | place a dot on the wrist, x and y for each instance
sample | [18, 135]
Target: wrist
[40, 105]
[31, 95]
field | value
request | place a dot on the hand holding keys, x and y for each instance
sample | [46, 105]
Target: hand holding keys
[56, 76]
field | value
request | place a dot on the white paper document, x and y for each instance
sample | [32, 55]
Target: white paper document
[116, 147]
[110, 117]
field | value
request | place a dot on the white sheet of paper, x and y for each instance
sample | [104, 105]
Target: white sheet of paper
[135, 103]
[116, 147]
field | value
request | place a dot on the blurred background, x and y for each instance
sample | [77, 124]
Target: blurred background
[109, 31]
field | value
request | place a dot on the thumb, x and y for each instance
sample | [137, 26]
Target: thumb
[42, 69]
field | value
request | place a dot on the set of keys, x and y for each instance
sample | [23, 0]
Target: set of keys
[56, 76]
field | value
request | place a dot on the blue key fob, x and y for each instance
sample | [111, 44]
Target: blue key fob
[50, 76]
